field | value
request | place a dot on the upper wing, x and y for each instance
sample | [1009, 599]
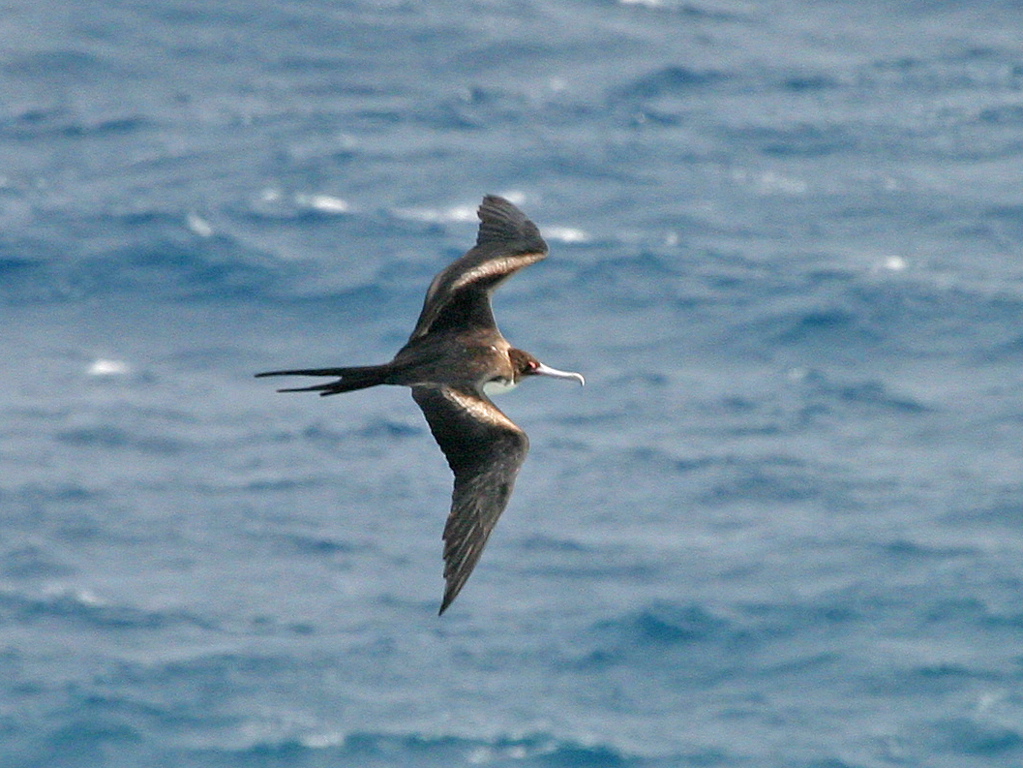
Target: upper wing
[460, 295]
[485, 450]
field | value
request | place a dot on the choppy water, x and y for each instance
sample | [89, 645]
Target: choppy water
[781, 526]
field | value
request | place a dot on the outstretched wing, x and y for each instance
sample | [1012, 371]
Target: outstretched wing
[460, 295]
[485, 451]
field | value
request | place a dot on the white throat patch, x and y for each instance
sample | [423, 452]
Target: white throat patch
[498, 387]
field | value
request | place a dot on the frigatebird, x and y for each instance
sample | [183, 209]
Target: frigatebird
[455, 358]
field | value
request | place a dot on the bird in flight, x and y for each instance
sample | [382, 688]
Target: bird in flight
[453, 361]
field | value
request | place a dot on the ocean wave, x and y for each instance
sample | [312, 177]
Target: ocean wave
[377, 750]
[83, 608]
[47, 124]
[108, 437]
[663, 624]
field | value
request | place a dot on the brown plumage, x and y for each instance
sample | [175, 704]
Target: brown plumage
[453, 358]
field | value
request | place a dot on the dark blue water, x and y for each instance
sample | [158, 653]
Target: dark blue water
[781, 526]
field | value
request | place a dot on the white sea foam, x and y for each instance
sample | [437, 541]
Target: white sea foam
[107, 367]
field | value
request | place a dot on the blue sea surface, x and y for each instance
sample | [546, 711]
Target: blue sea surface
[781, 526]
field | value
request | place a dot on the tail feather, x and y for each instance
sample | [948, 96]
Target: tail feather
[358, 377]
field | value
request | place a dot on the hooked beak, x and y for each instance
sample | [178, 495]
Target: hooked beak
[546, 370]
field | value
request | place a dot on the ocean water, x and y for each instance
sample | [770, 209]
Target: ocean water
[781, 526]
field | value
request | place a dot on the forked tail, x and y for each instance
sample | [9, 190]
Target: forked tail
[358, 377]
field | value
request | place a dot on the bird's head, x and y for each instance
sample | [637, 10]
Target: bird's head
[525, 364]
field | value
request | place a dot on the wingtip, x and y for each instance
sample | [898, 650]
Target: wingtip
[501, 221]
[451, 589]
